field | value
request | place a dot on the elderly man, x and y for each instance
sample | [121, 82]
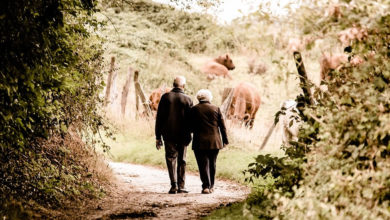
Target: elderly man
[208, 127]
[172, 125]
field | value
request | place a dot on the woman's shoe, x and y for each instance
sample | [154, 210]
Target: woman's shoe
[182, 190]
[206, 191]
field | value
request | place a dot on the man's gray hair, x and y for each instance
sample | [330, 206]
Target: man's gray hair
[179, 81]
[204, 95]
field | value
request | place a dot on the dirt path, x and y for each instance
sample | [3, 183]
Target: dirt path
[141, 192]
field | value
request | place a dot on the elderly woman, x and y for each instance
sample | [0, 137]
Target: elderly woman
[208, 127]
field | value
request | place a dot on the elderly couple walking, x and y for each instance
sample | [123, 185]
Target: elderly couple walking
[176, 119]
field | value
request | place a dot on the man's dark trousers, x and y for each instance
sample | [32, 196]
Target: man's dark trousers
[176, 153]
[206, 160]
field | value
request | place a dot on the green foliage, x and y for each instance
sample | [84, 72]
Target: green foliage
[50, 77]
[286, 173]
[339, 168]
[44, 68]
[283, 175]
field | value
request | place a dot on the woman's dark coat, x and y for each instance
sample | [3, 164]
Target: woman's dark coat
[208, 127]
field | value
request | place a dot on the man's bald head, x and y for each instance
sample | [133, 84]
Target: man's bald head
[179, 82]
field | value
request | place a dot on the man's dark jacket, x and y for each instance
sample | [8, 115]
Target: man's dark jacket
[208, 127]
[172, 121]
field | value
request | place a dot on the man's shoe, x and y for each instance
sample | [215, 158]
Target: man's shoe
[211, 190]
[206, 191]
[173, 190]
[183, 190]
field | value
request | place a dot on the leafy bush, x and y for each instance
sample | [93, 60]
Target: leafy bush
[50, 77]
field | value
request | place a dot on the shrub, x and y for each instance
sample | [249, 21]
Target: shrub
[339, 168]
[50, 77]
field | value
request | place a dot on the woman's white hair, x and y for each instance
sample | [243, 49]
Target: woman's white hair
[204, 95]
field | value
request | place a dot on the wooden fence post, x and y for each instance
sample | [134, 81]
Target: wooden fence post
[110, 80]
[227, 101]
[267, 136]
[125, 90]
[136, 94]
[303, 77]
[226, 93]
[141, 95]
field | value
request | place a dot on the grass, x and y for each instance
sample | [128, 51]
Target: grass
[232, 212]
